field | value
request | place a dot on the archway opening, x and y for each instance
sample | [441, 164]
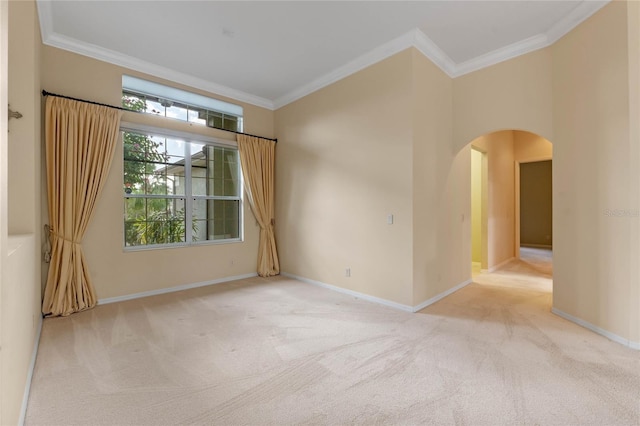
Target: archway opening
[511, 201]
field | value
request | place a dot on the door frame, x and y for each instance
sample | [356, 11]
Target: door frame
[484, 213]
[517, 198]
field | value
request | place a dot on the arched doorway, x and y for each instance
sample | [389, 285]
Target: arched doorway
[508, 172]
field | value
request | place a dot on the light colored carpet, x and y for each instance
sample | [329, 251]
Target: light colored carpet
[278, 352]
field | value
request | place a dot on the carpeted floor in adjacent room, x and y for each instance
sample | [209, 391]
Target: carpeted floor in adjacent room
[278, 352]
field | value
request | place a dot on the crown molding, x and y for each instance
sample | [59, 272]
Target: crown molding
[428, 48]
[431, 51]
[414, 38]
[126, 61]
[581, 13]
[51, 38]
[45, 16]
[373, 56]
[500, 55]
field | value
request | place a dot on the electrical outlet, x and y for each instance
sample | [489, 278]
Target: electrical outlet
[347, 272]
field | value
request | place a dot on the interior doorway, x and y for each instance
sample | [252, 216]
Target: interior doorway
[478, 210]
[497, 160]
[534, 205]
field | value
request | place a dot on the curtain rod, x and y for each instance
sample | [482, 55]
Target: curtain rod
[45, 93]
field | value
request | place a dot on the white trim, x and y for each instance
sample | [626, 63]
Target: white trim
[414, 38]
[500, 55]
[428, 48]
[355, 294]
[87, 49]
[45, 16]
[379, 300]
[173, 289]
[581, 13]
[373, 56]
[499, 265]
[186, 136]
[32, 366]
[441, 296]
[609, 335]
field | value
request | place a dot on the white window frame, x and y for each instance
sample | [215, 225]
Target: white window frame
[188, 197]
[189, 99]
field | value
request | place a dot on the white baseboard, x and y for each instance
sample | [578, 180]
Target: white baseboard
[32, 366]
[609, 335]
[499, 265]
[441, 296]
[173, 289]
[359, 295]
[378, 300]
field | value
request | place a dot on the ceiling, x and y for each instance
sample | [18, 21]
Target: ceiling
[270, 53]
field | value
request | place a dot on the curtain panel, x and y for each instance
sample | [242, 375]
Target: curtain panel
[80, 142]
[257, 157]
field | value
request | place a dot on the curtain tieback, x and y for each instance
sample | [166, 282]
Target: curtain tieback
[56, 235]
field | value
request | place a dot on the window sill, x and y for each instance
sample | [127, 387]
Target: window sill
[181, 245]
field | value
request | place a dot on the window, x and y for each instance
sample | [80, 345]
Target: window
[153, 98]
[179, 192]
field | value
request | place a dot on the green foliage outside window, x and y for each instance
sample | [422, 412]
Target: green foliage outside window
[160, 228]
[140, 151]
[148, 220]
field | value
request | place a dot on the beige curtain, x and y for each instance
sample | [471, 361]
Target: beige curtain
[80, 141]
[257, 157]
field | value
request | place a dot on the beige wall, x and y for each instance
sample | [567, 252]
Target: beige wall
[514, 94]
[391, 127]
[594, 173]
[20, 301]
[633, 20]
[498, 147]
[114, 271]
[343, 164]
[535, 204]
[528, 146]
[441, 193]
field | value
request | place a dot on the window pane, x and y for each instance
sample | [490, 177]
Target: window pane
[133, 102]
[214, 119]
[197, 115]
[154, 107]
[231, 175]
[214, 171]
[176, 179]
[216, 219]
[137, 149]
[151, 221]
[155, 169]
[207, 171]
[177, 112]
[173, 103]
[230, 123]
[175, 147]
